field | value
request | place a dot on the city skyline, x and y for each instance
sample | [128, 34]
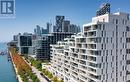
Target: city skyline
[31, 13]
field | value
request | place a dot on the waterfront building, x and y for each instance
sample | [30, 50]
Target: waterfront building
[101, 53]
[42, 46]
[62, 29]
[25, 43]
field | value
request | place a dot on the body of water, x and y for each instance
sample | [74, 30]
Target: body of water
[7, 73]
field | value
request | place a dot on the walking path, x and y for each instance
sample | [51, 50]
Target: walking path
[16, 71]
[37, 73]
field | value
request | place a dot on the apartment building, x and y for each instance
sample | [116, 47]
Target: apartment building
[101, 53]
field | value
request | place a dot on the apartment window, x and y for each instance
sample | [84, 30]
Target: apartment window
[116, 21]
[105, 46]
[120, 51]
[103, 65]
[128, 40]
[128, 62]
[113, 80]
[113, 33]
[125, 34]
[106, 52]
[102, 58]
[112, 58]
[116, 28]
[104, 40]
[111, 64]
[103, 26]
[123, 45]
[123, 21]
[102, 46]
[123, 57]
[127, 28]
[123, 68]
[107, 76]
[120, 74]
[107, 39]
[120, 40]
[120, 62]
[122, 34]
[111, 52]
[113, 21]
[111, 39]
[113, 45]
[127, 51]
[103, 76]
[103, 20]
[102, 33]
[103, 52]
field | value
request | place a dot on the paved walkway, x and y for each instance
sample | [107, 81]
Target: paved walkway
[38, 74]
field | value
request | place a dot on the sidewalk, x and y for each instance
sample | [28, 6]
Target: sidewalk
[37, 73]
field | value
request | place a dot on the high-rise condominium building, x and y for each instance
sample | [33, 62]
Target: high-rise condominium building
[24, 43]
[101, 53]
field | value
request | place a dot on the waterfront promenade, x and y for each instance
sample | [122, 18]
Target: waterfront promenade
[40, 77]
[17, 75]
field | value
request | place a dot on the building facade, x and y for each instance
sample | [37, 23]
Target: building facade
[24, 43]
[42, 45]
[62, 29]
[101, 53]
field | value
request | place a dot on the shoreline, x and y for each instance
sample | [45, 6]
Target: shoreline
[19, 79]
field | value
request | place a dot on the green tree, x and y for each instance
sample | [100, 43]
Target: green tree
[55, 79]
[46, 72]
[43, 71]
[50, 76]
[38, 64]
[61, 81]
[37, 80]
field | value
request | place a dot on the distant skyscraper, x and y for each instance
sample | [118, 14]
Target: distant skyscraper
[65, 26]
[59, 20]
[49, 27]
[105, 8]
[38, 30]
[62, 29]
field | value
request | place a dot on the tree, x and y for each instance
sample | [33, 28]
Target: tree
[37, 80]
[43, 71]
[55, 79]
[46, 72]
[61, 81]
[50, 76]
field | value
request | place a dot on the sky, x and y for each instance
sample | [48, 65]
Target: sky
[30, 13]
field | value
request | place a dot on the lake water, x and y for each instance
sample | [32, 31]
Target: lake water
[7, 73]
